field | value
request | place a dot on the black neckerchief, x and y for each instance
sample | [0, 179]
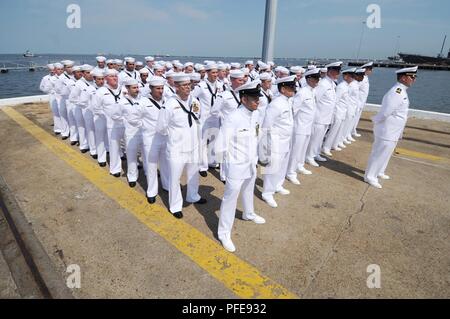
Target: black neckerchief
[131, 76]
[189, 113]
[213, 95]
[235, 98]
[116, 97]
[299, 83]
[170, 88]
[155, 103]
[85, 82]
[131, 102]
[267, 96]
[66, 75]
[251, 77]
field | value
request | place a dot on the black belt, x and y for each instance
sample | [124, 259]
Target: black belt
[190, 114]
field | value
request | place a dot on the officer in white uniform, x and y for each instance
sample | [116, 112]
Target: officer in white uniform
[47, 86]
[389, 124]
[364, 88]
[334, 136]
[108, 98]
[325, 105]
[155, 144]
[180, 121]
[238, 139]
[129, 71]
[101, 133]
[304, 108]
[278, 127]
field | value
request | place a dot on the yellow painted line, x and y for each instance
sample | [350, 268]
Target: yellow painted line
[410, 153]
[241, 278]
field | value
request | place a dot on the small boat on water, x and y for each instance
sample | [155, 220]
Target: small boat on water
[422, 59]
[28, 54]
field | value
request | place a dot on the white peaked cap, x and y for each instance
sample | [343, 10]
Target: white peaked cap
[367, 65]
[352, 70]
[360, 71]
[291, 78]
[334, 65]
[407, 70]
[157, 81]
[312, 72]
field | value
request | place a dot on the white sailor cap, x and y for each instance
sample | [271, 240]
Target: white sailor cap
[324, 70]
[252, 88]
[157, 81]
[175, 61]
[311, 67]
[312, 73]
[139, 63]
[211, 66]
[188, 64]
[51, 66]
[208, 62]
[334, 65]
[181, 77]
[360, 71]
[97, 73]
[76, 68]
[110, 61]
[236, 74]
[228, 66]
[199, 67]
[118, 61]
[111, 72]
[195, 76]
[265, 76]
[158, 67]
[263, 66]
[100, 59]
[130, 60]
[249, 62]
[149, 59]
[221, 66]
[168, 65]
[297, 69]
[235, 65]
[178, 65]
[246, 71]
[130, 81]
[170, 73]
[58, 65]
[67, 63]
[281, 69]
[367, 65]
[352, 70]
[144, 71]
[87, 68]
[412, 70]
[271, 63]
[287, 80]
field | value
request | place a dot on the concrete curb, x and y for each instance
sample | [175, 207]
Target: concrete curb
[45, 273]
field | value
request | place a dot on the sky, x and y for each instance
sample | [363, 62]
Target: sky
[232, 28]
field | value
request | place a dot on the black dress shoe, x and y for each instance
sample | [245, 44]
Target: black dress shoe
[57, 133]
[102, 164]
[203, 174]
[151, 200]
[94, 156]
[165, 190]
[124, 158]
[65, 138]
[202, 201]
[84, 151]
[178, 215]
[132, 184]
[73, 143]
[116, 175]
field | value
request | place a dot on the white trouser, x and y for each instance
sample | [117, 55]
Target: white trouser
[55, 112]
[229, 202]
[115, 135]
[298, 154]
[340, 135]
[333, 135]
[356, 121]
[379, 158]
[78, 113]
[133, 146]
[348, 127]
[276, 173]
[315, 145]
[88, 118]
[72, 122]
[210, 131]
[62, 109]
[177, 165]
[154, 154]
[101, 137]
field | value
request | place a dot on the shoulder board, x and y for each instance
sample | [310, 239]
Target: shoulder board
[399, 90]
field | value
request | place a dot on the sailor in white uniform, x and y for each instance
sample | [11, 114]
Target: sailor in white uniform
[69, 77]
[47, 87]
[252, 74]
[389, 124]
[325, 105]
[355, 96]
[155, 144]
[333, 138]
[169, 88]
[62, 94]
[238, 139]
[304, 108]
[364, 88]
[278, 128]
[228, 101]
[100, 131]
[129, 71]
[195, 80]
[266, 94]
[149, 63]
[108, 98]
[180, 122]
[101, 64]
[144, 89]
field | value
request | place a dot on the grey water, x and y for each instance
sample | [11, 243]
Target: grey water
[431, 91]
